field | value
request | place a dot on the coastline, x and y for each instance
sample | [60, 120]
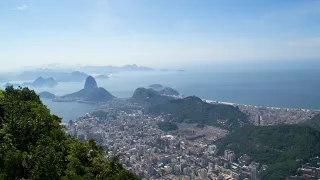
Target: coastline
[258, 115]
[268, 116]
[256, 106]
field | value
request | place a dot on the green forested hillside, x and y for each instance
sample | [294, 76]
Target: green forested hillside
[149, 97]
[277, 146]
[314, 122]
[33, 145]
[194, 110]
[190, 109]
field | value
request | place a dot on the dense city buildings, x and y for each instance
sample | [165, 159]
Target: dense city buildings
[266, 116]
[186, 153]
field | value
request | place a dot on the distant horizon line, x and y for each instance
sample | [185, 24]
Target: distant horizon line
[301, 63]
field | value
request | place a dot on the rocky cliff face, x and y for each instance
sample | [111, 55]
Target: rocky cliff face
[90, 92]
[90, 83]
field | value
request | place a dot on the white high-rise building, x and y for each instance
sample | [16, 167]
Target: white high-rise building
[229, 155]
[254, 173]
[210, 167]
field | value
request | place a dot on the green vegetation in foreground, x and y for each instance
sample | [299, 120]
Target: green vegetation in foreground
[1, 93]
[193, 110]
[277, 146]
[167, 126]
[33, 145]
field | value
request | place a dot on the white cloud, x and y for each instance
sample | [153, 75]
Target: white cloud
[21, 7]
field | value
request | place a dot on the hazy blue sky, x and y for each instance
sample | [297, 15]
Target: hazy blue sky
[156, 32]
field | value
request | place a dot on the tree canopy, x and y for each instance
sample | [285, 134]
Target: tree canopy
[314, 122]
[193, 110]
[277, 146]
[167, 126]
[33, 145]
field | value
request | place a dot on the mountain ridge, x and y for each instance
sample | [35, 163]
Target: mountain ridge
[190, 109]
[148, 97]
[42, 82]
[90, 92]
[193, 110]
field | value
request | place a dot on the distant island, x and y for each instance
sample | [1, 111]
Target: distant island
[47, 95]
[102, 76]
[78, 74]
[113, 69]
[75, 76]
[156, 86]
[164, 90]
[181, 70]
[169, 92]
[164, 70]
[134, 67]
[90, 93]
[42, 82]
[11, 84]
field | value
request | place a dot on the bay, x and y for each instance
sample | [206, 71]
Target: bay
[68, 110]
[289, 88]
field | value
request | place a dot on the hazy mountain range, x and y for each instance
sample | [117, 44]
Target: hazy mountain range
[112, 69]
[77, 74]
[41, 82]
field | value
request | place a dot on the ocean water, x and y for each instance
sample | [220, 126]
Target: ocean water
[68, 110]
[290, 88]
